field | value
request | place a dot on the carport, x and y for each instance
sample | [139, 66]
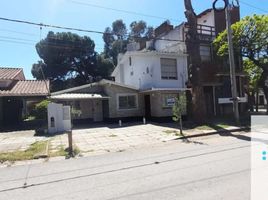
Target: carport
[86, 107]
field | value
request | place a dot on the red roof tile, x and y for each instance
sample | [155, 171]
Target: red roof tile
[11, 73]
[27, 88]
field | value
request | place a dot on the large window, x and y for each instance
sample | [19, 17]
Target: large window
[169, 68]
[128, 101]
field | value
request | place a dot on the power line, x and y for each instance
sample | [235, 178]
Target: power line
[16, 42]
[62, 46]
[49, 26]
[17, 32]
[14, 38]
[252, 6]
[74, 29]
[47, 42]
[122, 11]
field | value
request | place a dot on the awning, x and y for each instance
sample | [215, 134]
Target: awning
[165, 90]
[77, 96]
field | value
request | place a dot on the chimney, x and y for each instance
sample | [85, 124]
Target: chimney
[163, 28]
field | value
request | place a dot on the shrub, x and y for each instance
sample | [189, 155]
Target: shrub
[40, 110]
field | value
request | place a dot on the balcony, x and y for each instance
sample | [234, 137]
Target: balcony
[205, 33]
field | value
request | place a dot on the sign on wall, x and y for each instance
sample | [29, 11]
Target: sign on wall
[170, 101]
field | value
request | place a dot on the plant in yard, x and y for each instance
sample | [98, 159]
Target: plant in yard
[178, 109]
[40, 110]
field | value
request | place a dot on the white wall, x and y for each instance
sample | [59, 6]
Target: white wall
[137, 74]
[171, 46]
[207, 19]
[62, 118]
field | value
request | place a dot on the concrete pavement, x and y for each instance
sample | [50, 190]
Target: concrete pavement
[99, 140]
[210, 168]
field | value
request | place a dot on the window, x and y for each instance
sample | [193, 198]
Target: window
[205, 53]
[127, 102]
[169, 68]
[130, 61]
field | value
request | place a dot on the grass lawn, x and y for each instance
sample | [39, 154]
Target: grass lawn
[172, 132]
[61, 151]
[35, 151]
[29, 154]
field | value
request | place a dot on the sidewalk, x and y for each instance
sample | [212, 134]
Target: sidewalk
[104, 139]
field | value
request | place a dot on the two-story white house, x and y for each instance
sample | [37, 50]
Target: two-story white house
[159, 71]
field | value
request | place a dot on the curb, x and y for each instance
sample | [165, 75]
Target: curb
[226, 131]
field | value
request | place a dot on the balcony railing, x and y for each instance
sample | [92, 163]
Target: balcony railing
[205, 33]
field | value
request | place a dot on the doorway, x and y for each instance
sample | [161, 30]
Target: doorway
[12, 110]
[147, 105]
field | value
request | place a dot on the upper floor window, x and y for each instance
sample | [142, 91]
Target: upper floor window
[205, 53]
[169, 68]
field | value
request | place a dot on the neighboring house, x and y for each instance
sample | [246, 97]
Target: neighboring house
[216, 71]
[16, 92]
[102, 101]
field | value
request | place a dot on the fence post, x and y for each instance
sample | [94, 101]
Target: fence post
[70, 141]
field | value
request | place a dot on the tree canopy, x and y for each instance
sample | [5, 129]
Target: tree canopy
[254, 74]
[250, 38]
[117, 37]
[69, 60]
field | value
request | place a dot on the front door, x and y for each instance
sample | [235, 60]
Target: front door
[147, 103]
[209, 100]
[97, 110]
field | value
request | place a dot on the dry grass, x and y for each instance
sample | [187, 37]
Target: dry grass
[29, 154]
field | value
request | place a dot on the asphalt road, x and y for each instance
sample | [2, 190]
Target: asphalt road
[211, 168]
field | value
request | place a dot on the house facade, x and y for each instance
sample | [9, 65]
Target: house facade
[102, 101]
[16, 93]
[215, 71]
[150, 75]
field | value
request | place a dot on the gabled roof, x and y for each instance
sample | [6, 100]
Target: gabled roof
[204, 12]
[26, 88]
[10, 73]
[102, 82]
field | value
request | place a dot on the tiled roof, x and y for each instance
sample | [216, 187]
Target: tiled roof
[26, 88]
[9, 73]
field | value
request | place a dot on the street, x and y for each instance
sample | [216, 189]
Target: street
[213, 168]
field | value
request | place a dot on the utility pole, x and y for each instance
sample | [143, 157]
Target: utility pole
[232, 62]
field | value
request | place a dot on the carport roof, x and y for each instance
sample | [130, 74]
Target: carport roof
[77, 96]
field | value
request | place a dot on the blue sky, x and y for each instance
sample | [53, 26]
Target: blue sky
[17, 41]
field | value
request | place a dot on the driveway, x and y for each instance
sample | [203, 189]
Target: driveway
[94, 140]
[117, 139]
